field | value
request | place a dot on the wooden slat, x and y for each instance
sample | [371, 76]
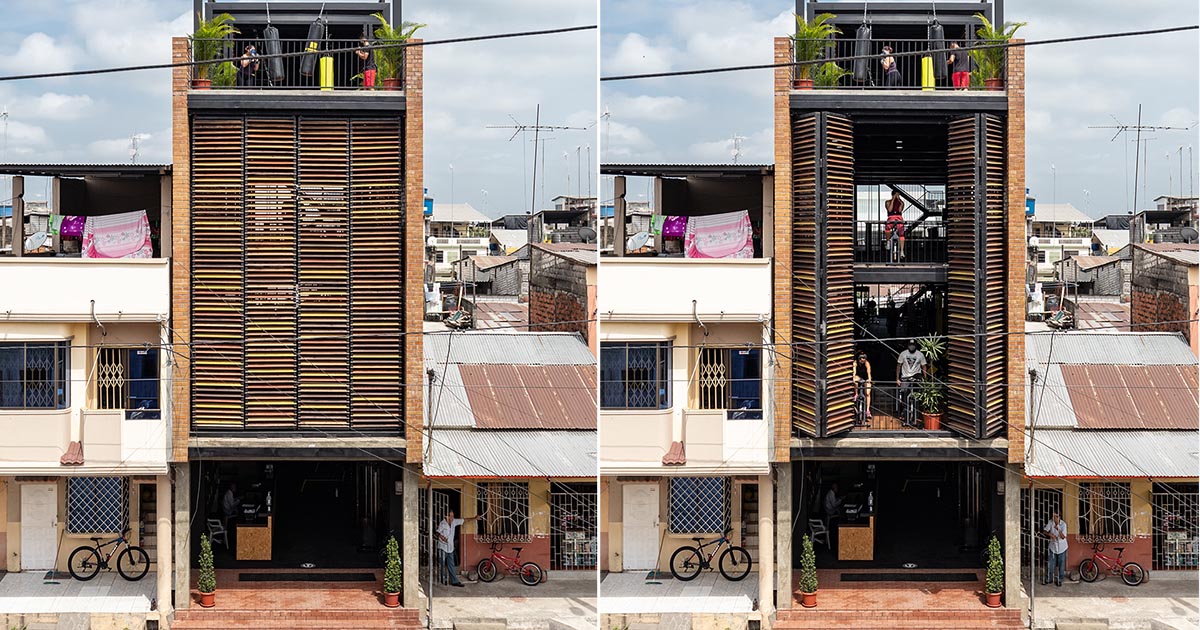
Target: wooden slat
[804, 274]
[994, 284]
[960, 242]
[839, 274]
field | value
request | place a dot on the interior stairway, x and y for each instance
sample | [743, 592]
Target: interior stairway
[197, 618]
[924, 619]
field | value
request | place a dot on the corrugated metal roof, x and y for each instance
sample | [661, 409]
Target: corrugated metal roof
[1184, 253]
[517, 348]
[510, 238]
[1049, 401]
[487, 262]
[531, 396]
[1084, 347]
[1091, 262]
[457, 213]
[83, 169]
[1059, 213]
[468, 453]
[583, 257]
[1133, 396]
[684, 170]
[1113, 239]
[448, 402]
[1082, 453]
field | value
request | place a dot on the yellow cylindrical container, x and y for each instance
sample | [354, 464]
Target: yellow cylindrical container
[327, 73]
[927, 79]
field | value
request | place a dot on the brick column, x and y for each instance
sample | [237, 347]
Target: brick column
[783, 251]
[1016, 253]
[181, 251]
[414, 248]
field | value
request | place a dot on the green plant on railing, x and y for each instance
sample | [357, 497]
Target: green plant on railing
[224, 74]
[829, 74]
[208, 40]
[391, 570]
[812, 39]
[933, 347]
[930, 395]
[995, 567]
[808, 566]
[990, 61]
[390, 60]
[206, 580]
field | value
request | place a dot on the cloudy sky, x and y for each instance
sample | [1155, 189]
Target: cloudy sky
[467, 87]
[1068, 88]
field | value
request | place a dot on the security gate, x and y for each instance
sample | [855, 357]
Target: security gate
[441, 505]
[1176, 533]
[1048, 501]
[573, 526]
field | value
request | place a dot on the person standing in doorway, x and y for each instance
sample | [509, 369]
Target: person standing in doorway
[446, 536]
[910, 367]
[366, 56]
[891, 74]
[960, 67]
[1056, 561]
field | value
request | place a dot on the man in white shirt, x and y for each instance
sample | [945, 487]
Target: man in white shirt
[910, 367]
[1056, 562]
[446, 536]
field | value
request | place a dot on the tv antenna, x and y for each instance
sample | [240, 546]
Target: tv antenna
[1138, 129]
[537, 128]
[736, 150]
[134, 148]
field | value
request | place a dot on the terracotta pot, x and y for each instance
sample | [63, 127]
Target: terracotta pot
[995, 85]
[208, 600]
[808, 600]
[933, 421]
[993, 600]
[391, 600]
[391, 84]
[802, 84]
[201, 84]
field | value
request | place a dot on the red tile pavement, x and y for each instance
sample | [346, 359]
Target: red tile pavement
[835, 594]
[233, 594]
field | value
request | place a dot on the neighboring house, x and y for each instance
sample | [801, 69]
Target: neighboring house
[1111, 445]
[1107, 242]
[685, 385]
[1058, 231]
[452, 232]
[564, 222]
[493, 396]
[505, 242]
[1165, 286]
[84, 413]
[1167, 222]
[495, 275]
[1095, 275]
[456, 219]
[562, 289]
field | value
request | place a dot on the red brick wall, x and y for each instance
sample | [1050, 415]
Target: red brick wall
[414, 243]
[181, 252]
[1149, 305]
[548, 305]
[1016, 253]
[783, 249]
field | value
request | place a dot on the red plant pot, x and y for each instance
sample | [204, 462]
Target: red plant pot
[391, 600]
[933, 421]
[391, 84]
[808, 600]
[208, 600]
[802, 84]
[201, 84]
[994, 85]
[993, 600]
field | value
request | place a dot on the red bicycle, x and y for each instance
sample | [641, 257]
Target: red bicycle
[1131, 572]
[488, 568]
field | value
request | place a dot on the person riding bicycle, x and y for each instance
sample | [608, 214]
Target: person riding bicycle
[862, 380]
[895, 223]
[910, 367]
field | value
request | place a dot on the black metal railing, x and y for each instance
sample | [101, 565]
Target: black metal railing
[877, 242]
[869, 73]
[330, 64]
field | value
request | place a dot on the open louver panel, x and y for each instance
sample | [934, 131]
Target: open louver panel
[838, 282]
[377, 278]
[993, 346]
[217, 281]
[962, 171]
[805, 304]
[270, 272]
[323, 256]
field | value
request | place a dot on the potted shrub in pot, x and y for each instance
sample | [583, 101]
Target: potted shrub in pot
[829, 75]
[206, 579]
[811, 40]
[989, 62]
[391, 574]
[931, 399]
[994, 583]
[207, 44]
[808, 574]
[390, 59]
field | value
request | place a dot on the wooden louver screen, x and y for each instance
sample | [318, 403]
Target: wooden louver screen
[976, 276]
[300, 253]
[822, 273]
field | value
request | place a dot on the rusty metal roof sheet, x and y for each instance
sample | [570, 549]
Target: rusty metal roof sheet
[467, 453]
[487, 262]
[1079, 453]
[494, 313]
[1091, 262]
[531, 396]
[1134, 396]
[1184, 253]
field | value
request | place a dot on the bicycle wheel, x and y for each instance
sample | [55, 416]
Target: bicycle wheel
[486, 570]
[531, 574]
[84, 563]
[1133, 573]
[734, 563]
[133, 563]
[1088, 571]
[685, 563]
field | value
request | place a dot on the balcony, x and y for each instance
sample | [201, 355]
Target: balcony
[35, 440]
[77, 289]
[676, 289]
[714, 440]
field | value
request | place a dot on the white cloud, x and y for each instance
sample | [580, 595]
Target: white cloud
[152, 148]
[39, 53]
[638, 55]
[55, 106]
[757, 148]
[646, 107]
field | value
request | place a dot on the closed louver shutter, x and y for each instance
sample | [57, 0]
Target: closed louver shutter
[839, 274]
[993, 313]
[805, 354]
[217, 282]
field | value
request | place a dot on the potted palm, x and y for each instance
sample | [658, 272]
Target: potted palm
[207, 44]
[829, 75]
[224, 74]
[390, 57]
[994, 584]
[391, 574]
[990, 61]
[206, 580]
[812, 39]
[931, 399]
[808, 574]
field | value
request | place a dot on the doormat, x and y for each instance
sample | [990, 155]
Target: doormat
[307, 577]
[659, 575]
[910, 577]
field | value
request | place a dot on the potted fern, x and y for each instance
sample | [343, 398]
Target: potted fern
[829, 75]
[206, 580]
[391, 574]
[207, 44]
[811, 39]
[990, 61]
[808, 574]
[994, 584]
[390, 57]
[931, 395]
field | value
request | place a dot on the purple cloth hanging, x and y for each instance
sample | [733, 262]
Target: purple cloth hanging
[674, 227]
[72, 227]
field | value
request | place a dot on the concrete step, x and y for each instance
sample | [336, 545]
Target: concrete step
[965, 619]
[299, 619]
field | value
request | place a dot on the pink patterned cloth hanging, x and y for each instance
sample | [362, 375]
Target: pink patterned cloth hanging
[726, 235]
[125, 235]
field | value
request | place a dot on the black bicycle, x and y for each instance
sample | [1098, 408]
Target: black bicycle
[734, 561]
[132, 563]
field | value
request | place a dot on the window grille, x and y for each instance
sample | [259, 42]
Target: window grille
[731, 378]
[1176, 519]
[698, 505]
[573, 526]
[635, 375]
[1104, 511]
[97, 505]
[33, 375]
[1047, 501]
[504, 512]
[127, 378]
